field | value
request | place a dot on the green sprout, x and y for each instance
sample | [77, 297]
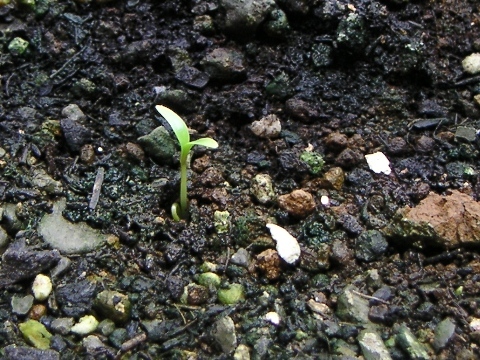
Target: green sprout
[180, 209]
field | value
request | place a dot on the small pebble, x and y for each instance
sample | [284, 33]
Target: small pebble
[42, 287]
[471, 64]
[85, 326]
[378, 163]
[287, 246]
[273, 317]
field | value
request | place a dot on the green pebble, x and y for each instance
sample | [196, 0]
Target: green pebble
[17, 46]
[313, 160]
[209, 278]
[232, 295]
[35, 334]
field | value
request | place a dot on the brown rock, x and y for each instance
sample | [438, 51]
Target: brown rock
[298, 203]
[397, 146]
[197, 295]
[425, 144]
[37, 311]
[268, 262]
[448, 221]
[349, 158]
[335, 177]
[336, 141]
[300, 110]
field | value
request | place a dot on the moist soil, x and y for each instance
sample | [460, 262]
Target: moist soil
[396, 85]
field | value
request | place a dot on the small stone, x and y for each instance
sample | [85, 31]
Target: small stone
[73, 112]
[224, 65]
[268, 262]
[273, 318]
[352, 307]
[192, 77]
[287, 246]
[443, 333]
[298, 203]
[221, 221]
[92, 344]
[370, 245]
[224, 334]
[15, 352]
[75, 134]
[18, 46]
[262, 188]
[313, 160]
[335, 177]
[336, 141]
[409, 343]
[475, 324]
[86, 325]
[63, 325]
[378, 163]
[35, 334]
[196, 294]
[471, 64]
[209, 279]
[466, 133]
[268, 127]
[106, 327]
[87, 154]
[300, 110]
[45, 182]
[425, 144]
[349, 158]
[242, 352]
[319, 308]
[113, 305]
[231, 295]
[42, 287]
[118, 337]
[372, 346]
[159, 145]
[37, 311]
[241, 258]
[397, 146]
[21, 305]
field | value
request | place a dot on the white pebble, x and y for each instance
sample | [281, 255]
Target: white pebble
[475, 324]
[287, 246]
[41, 287]
[86, 325]
[268, 127]
[471, 64]
[273, 318]
[325, 200]
[378, 163]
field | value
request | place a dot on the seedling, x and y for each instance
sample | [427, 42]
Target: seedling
[180, 209]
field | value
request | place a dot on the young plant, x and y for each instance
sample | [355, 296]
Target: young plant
[180, 209]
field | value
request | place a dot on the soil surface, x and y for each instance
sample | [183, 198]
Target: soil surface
[370, 260]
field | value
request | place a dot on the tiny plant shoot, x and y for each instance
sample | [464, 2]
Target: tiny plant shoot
[180, 209]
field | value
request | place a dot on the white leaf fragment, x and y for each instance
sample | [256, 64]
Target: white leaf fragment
[287, 246]
[378, 163]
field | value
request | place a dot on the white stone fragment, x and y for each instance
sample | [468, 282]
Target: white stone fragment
[273, 317]
[475, 324]
[268, 127]
[325, 200]
[41, 287]
[471, 64]
[86, 325]
[378, 163]
[287, 246]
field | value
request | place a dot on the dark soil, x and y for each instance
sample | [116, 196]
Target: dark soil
[396, 87]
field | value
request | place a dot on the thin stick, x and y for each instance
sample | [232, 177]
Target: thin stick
[97, 187]
[370, 297]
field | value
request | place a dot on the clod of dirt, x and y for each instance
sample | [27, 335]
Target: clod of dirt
[445, 221]
[267, 127]
[268, 262]
[20, 262]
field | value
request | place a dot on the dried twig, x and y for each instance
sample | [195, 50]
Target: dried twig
[97, 187]
[370, 297]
